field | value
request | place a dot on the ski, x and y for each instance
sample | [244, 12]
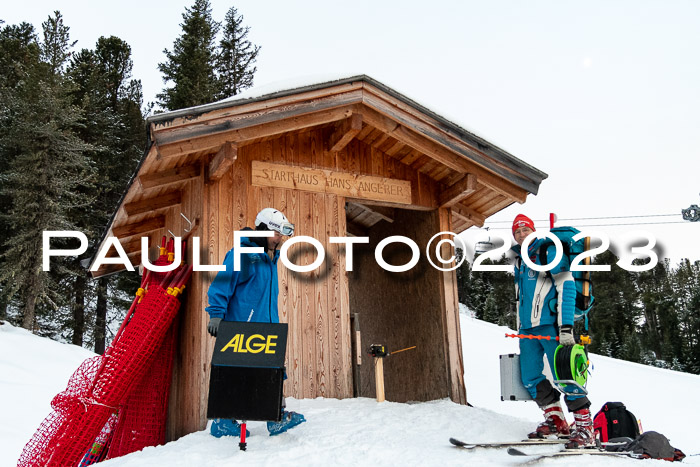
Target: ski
[571, 452]
[503, 444]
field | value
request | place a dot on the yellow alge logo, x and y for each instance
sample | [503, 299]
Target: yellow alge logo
[254, 344]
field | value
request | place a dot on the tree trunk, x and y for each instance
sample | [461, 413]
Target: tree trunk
[101, 316]
[79, 310]
[30, 305]
[3, 309]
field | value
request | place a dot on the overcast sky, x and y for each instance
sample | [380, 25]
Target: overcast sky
[604, 96]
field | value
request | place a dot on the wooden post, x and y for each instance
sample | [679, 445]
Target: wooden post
[379, 377]
[357, 352]
[587, 275]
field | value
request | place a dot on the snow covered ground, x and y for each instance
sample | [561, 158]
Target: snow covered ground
[361, 431]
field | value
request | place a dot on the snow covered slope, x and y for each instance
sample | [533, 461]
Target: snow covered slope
[32, 371]
[360, 431]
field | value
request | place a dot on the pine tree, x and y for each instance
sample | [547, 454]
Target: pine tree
[463, 276]
[114, 125]
[46, 169]
[190, 66]
[19, 52]
[237, 56]
[56, 48]
[660, 330]
[615, 311]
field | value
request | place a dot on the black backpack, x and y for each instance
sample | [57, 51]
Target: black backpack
[615, 421]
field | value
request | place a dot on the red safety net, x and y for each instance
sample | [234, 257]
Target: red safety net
[143, 416]
[83, 415]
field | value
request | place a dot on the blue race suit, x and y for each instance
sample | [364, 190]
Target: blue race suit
[248, 295]
[546, 301]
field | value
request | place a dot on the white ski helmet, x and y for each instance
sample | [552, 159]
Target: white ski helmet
[274, 220]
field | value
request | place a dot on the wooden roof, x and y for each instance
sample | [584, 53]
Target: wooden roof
[477, 179]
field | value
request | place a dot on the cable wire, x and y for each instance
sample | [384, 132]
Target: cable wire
[603, 225]
[599, 218]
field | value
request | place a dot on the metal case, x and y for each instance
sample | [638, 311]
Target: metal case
[512, 388]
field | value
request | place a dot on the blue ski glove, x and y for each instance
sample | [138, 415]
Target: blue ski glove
[213, 326]
[566, 335]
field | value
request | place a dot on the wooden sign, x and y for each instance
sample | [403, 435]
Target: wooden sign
[327, 181]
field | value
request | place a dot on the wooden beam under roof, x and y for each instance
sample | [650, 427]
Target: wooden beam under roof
[132, 245]
[242, 135]
[448, 135]
[457, 191]
[138, 228]
[154, 203]
[442, 154]
[222, 161]
[468, 214]
[385, 213]
[168, 177]
[344, 132]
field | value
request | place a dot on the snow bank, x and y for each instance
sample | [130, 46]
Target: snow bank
[32, 371]
[361, 431]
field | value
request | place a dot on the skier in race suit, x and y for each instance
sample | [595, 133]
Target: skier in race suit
[535, 291]
[250, 295]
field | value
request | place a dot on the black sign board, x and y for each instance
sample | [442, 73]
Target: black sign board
[260, 345]
[247, 371]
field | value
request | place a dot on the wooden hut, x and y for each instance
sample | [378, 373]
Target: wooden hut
[339, 158]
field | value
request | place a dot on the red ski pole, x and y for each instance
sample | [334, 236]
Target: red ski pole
[528, 336]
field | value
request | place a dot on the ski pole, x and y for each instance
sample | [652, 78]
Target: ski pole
[585, 339]
[528, 336]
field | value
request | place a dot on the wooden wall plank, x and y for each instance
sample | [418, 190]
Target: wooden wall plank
[308, 288]
[321, 297]
[294, 346]
[341, 324]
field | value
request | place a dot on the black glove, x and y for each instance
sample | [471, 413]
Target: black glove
[566, 335]
[213, 326]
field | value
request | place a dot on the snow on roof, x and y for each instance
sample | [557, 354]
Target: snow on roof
[299, 84]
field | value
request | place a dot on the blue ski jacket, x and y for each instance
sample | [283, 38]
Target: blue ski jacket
[249, 294]
[543, 297]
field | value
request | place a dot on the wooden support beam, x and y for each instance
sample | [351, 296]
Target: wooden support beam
[355, 230]
[138, 228]
[452, 343]
[468, 214]
[223, 160]
[166, 200]
[345, 131]
[457, 191]
[108, 269]
[386, 213]
[168, 177]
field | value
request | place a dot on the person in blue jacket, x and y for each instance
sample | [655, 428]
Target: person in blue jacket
[250, 295]
[537, 292]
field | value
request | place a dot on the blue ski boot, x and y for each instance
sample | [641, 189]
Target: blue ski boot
[289, 420]
[226, 427]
